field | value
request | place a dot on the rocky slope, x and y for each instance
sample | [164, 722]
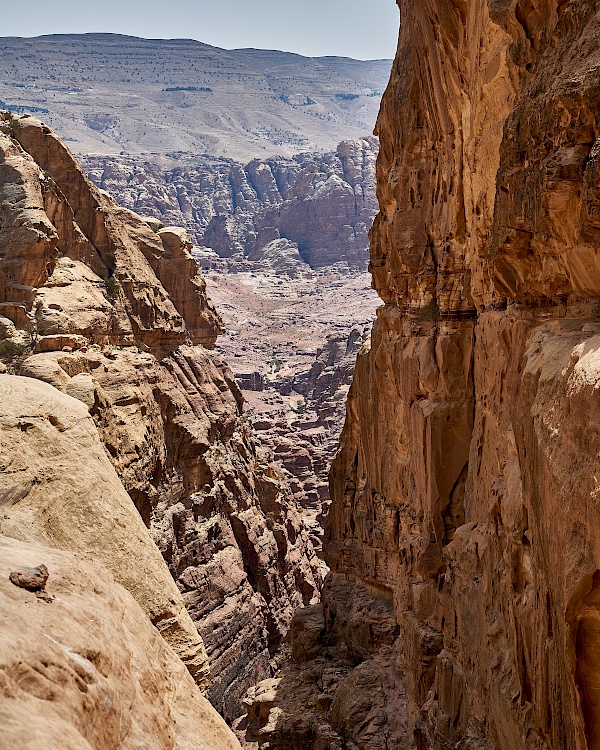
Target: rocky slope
[280, 214]
[82, 666]
[464, 515]
[99, 306]
[107, 94]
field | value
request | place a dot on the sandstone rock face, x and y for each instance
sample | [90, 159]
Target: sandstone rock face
[57, 487]
[281, 214]
[109, 311]
[86, 669]
[465, 487]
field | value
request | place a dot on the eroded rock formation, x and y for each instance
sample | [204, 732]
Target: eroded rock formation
[84, 668]
[98, 305]
[306, 446]
[465, 490]
[58, 488]
[465, 486]
[280, 214]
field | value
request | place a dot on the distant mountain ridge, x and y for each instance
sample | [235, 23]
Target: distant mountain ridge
[107, 94]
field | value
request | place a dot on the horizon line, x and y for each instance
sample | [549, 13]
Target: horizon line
[197, 41]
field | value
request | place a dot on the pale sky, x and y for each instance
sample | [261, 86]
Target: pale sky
[365, 29]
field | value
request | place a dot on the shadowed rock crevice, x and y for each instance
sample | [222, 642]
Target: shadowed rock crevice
[587, 673]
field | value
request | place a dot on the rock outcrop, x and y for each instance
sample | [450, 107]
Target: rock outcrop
[58, 488]
[100, 305]
[84, 668]
[281, 214]
[465, 490]
[466, 483]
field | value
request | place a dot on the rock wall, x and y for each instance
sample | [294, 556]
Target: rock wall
[101, 307]
[283, 214]
[82, 667]
[465, 490]
[58, 488]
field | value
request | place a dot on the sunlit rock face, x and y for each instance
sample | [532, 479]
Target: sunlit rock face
[106, 308]
[82, 666]
[282, 214]
[466, 486]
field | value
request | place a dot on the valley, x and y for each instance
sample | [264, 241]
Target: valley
[276, 474]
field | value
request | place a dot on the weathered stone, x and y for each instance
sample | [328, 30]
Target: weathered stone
[281, 215]
[464, 491]
[60, 489]
[126, 328]
[32, 579]
[90, 670]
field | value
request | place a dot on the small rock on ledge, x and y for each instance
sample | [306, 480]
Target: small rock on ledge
[32, 579]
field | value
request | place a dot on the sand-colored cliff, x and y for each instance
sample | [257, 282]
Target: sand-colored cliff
[82, 667]
[103, 307]
[465, 490]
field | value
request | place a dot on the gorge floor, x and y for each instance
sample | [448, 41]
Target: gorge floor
[292, 344]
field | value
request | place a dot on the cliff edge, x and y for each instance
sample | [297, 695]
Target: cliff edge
[463, 536]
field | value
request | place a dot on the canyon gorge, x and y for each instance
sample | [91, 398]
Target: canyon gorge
[108, 339]
[163, 575]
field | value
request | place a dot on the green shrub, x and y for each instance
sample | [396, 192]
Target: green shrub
[10, 348]
[113, 288]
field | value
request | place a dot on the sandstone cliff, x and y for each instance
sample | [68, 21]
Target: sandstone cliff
[82, 667]
[465, 487]
[101, 307]
[465, 490]
[284, 214]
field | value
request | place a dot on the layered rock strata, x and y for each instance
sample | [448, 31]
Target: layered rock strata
[465, 490]
[99, 305]
[281, 214]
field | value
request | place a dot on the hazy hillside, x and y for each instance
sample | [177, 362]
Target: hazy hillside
[107, 93]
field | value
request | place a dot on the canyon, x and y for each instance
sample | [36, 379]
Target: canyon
[123, 438]
[283, 244]
[460, 607]
[279, 220]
